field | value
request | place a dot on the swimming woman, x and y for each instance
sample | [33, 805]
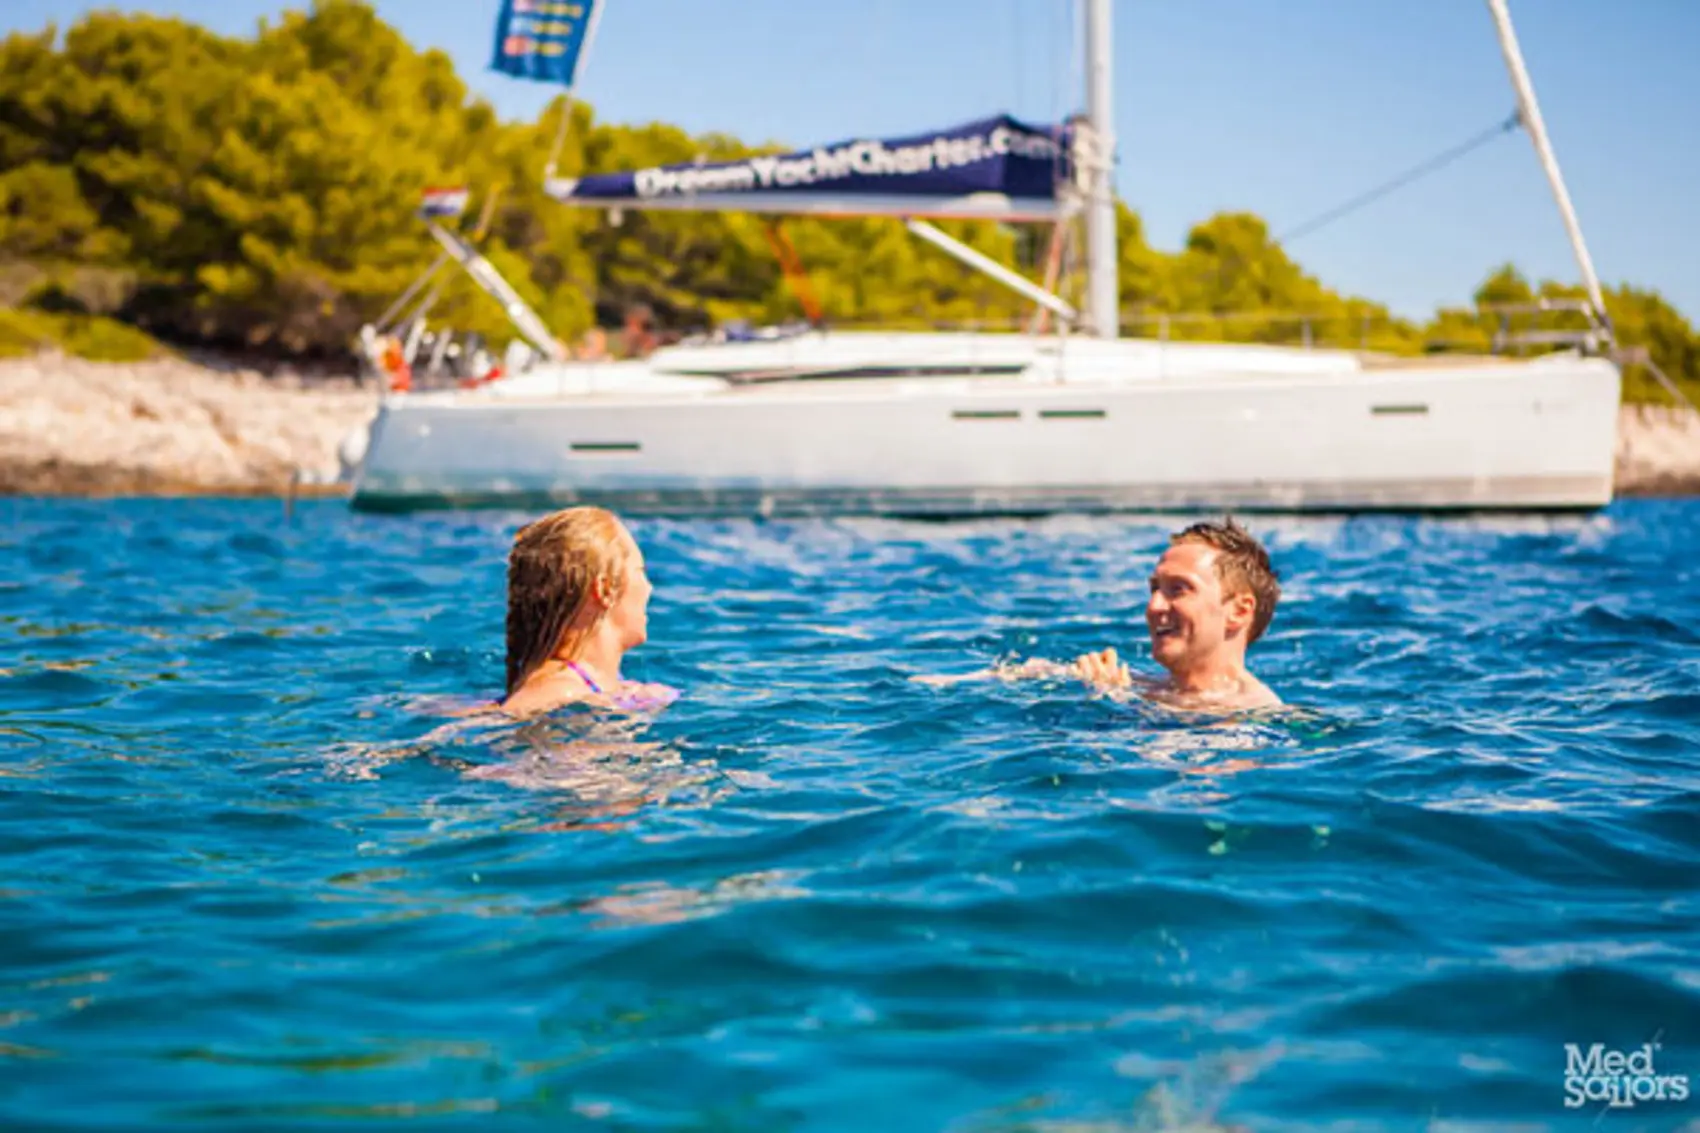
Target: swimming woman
[578, 600]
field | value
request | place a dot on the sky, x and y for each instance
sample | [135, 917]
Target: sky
[1284, 108]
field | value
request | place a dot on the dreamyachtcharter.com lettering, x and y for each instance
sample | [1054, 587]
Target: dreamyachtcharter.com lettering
[865, 158]
[1620, 1079]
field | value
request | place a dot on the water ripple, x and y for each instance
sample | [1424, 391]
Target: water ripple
[252, 881]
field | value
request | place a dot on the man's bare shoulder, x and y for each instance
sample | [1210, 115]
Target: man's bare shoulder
[1255, 694]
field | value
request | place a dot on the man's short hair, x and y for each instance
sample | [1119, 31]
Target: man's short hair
[1242, 566]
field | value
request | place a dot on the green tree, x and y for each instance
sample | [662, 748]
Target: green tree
[261, 192]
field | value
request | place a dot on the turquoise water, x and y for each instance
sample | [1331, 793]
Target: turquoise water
[245, 887]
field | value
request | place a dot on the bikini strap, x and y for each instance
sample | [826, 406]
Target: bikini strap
[585, 677]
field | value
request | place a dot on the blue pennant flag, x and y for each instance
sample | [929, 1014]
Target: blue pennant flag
[543, 39]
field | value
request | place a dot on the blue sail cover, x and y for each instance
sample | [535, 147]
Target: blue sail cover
[996, 168]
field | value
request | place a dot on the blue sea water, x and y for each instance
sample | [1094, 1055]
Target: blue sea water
[253, 876]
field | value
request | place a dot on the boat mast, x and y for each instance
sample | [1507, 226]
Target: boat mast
[1101, 284]
[1530, 112]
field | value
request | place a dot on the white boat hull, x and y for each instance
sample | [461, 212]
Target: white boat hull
[1493, 435]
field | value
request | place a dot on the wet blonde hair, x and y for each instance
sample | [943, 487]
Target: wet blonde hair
[552, 573]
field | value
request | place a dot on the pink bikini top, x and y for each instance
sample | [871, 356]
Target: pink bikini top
[643, 698]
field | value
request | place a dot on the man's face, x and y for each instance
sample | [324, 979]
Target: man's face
[1187, 614]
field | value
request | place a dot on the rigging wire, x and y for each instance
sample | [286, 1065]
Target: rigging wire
[1068, 78]
[1077, 49]
[1018, 62]
[1416, 172]
[1055, 83]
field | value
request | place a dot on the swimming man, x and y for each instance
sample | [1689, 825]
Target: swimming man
[1213, 594]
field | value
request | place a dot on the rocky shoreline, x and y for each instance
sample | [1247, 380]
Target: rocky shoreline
[173, 427]
[1658, 451]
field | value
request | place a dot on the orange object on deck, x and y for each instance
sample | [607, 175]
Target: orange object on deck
[792, 265]
[395, 364]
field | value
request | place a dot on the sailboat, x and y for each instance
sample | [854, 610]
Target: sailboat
[817, 421]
